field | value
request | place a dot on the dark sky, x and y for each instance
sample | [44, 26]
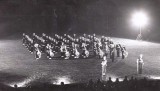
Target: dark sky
[110, 17]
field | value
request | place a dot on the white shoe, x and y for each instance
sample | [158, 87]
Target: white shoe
[66, 58]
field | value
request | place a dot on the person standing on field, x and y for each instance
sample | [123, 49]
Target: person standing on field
[140, 64]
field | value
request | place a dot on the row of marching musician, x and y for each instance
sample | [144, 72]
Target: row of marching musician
[68, 46]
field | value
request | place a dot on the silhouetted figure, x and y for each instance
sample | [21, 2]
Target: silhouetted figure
[125, 84]
[109, 83]
[15, 86]
[91, 83]
[117, 84]
[98, 85]
[143, 82]
[62, 83]
[125, 79]
[131, 84]
[132, 79]
[135, 82]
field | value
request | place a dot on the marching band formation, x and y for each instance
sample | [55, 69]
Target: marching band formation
[68, 47]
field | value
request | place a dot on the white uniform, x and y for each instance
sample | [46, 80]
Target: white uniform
[38, 54]
[140, 64]
[104, 65]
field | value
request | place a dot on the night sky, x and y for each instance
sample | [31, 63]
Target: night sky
[105, 17]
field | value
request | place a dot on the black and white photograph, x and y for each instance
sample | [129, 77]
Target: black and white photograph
[79, 45]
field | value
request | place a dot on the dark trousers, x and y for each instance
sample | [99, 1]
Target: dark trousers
[110, 54]
[118, 53]
[112, 57]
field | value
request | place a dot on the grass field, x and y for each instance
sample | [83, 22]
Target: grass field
[18, 66]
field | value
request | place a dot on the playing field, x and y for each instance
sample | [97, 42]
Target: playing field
[18, 66]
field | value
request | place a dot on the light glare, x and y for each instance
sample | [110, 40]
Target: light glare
[139, 19]
[64, 79]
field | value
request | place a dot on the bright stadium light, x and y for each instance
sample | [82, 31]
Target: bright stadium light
[139, 19]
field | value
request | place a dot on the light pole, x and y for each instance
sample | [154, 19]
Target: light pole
[139, 19]
[139, 37]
